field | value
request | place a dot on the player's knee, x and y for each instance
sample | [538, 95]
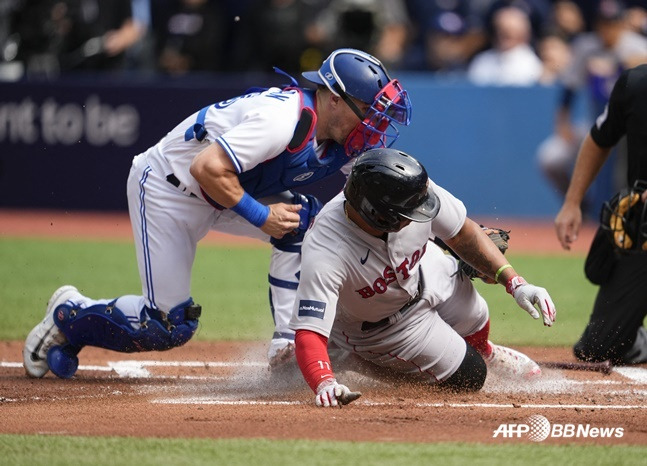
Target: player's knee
[470, 375]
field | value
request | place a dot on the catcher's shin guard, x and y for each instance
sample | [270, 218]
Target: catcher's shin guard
[106, 326]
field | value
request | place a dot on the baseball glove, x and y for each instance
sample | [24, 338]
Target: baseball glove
[624, 218]
[500, 238]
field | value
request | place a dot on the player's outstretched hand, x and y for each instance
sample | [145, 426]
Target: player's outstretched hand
[330, 394]
[528, 296]
[282, 220]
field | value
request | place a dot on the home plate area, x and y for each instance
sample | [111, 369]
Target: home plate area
[246, 380]
[228, 386]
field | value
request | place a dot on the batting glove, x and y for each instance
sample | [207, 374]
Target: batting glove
[330, 394]
[527, 296]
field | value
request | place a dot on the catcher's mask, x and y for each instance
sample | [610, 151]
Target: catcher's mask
[624, 218]
[353, 73]
[387, 186]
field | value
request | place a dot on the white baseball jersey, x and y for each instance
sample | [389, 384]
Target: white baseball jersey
[349, 278]
[252, 128]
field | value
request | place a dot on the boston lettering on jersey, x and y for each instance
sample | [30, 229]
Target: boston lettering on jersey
[381, 284]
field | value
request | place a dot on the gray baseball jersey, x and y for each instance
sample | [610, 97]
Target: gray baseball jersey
[350, 279]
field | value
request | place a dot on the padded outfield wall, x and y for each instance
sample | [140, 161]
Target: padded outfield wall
[68, 144]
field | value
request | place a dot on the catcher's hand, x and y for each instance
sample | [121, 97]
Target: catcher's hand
[330, 394]
[500, 238]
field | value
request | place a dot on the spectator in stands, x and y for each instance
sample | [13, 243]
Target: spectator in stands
[598, 58]
[377, 26]
[141, 56]
[98, 34]
[32, 42]
[566, 20]
[444, 36]
[511, 61]
[48, 37]
[191, 37]
[537, 11]
[279, 33]
[555, 55]
[637, 17]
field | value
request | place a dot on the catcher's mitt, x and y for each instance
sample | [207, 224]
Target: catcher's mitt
[500, 238]
[624, 218]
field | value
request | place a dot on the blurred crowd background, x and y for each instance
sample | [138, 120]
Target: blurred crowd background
[500, 42]
[526, 78]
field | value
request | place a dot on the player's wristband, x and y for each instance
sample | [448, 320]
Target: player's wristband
[501, 269]
[252, 210]
[514, 283]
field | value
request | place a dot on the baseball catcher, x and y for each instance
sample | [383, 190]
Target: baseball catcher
[233, 166]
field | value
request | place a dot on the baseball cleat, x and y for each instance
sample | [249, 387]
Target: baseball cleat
[506, 362]
[283, 357]
[45, 335]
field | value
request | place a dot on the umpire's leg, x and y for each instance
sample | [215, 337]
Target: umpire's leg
[618, 313]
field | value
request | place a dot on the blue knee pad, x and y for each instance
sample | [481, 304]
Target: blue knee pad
[105, 326]
[311, 206]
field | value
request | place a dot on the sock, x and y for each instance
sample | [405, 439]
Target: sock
[479, 340]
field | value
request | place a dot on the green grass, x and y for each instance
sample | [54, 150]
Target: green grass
[21, 450]
[572, 293]
[229, 282]
[231, 285]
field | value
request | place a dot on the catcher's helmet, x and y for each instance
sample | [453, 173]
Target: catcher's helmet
[353, 73]
[386, 186]
[624, 218]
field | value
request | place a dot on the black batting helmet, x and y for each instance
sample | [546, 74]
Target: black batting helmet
[386, 186]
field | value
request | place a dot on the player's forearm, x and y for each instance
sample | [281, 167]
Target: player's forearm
[589, 161]
[312, 357]
[474, 247]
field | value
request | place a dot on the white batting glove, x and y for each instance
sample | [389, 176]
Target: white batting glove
[330, 394]
[528, 296]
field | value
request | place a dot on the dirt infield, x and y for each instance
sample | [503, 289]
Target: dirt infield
[224, 390]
